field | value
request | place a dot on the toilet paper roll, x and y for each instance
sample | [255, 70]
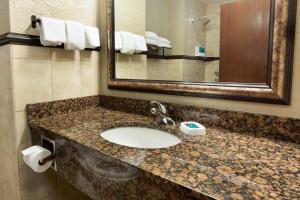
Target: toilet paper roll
[33, 155]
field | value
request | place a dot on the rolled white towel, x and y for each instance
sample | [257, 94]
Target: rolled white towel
[128, 42]
[92, 37]
[150, 34]
[118, 41]
[152, 42]
[52, 32]
[164, 45]
[140, 44]
[164, 40]
[158, 43]
[75, 36]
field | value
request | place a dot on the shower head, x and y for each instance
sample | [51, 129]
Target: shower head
[203, 20]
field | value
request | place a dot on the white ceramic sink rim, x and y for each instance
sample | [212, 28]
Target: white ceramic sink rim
[138, 137]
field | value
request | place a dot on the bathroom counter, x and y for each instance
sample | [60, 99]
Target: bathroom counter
[220, 165]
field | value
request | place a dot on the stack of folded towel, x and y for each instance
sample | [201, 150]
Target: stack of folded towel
[153, 39]
[74, 35]
[130, 43]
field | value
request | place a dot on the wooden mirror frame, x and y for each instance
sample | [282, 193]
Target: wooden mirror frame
[279, 80]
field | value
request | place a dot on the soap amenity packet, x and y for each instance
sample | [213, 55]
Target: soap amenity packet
[192, 128]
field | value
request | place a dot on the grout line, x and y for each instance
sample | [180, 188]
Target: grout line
[81, 88]
[51, 73]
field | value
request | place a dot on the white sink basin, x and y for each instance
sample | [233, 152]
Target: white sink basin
[140, 137]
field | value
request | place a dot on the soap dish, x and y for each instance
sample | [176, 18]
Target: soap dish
[192, 128]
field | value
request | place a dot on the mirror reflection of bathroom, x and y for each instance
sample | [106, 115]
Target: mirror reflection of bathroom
[194, 40]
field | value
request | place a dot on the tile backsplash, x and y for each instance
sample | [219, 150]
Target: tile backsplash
[242, 122]
[273, 127]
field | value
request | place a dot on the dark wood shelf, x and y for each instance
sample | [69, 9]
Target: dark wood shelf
[29, 40]
[177, 57]
[184, 57]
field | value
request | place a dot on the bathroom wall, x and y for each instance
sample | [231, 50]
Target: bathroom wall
[130, 16]
[197, 30]
[9, 177]
[169, 18]
[281, 110]
[157, 16]
[213, 30]
[38, 75]
[175, 70]
[4, 16]
[42, 75]
[84, 11]
[131, 66]
[176, 26]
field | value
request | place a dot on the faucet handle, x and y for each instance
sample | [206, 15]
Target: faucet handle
[161, 107]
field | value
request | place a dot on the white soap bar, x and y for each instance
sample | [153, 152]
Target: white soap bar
[192, 128]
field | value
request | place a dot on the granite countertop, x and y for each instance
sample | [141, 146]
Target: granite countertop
[221, 164]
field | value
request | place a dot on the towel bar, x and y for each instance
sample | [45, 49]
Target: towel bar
[35, 21]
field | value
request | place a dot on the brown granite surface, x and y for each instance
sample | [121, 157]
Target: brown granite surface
[223, 164]
[103, 177]
[261, 125]
[42, 110]
[282, 128]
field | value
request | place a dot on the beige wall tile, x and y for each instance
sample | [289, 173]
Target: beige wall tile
[193, 70]
[61, 54]
[6, 98]
[196, 31]
[85, 11]
[36, 186]
[4, 16]
[152, 69]
[32, 82]
[7, 132]
[9, 178]
[131, 66]
[5, 51]
[29, 52]
[170, 70]
[89, 56]
[211, 71]
[23, 135]
[123, 66]
[5, 73]
[139, 67]
[129, 18]
[90, 78]
[66, 79]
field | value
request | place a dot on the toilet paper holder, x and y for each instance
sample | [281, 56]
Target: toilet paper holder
[50, 145]
[47, 159]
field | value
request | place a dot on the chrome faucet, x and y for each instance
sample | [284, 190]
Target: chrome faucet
[161, 111]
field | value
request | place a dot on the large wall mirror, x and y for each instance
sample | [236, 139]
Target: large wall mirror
[229, 49]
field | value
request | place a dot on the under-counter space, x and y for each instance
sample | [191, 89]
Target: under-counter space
[221, 164]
